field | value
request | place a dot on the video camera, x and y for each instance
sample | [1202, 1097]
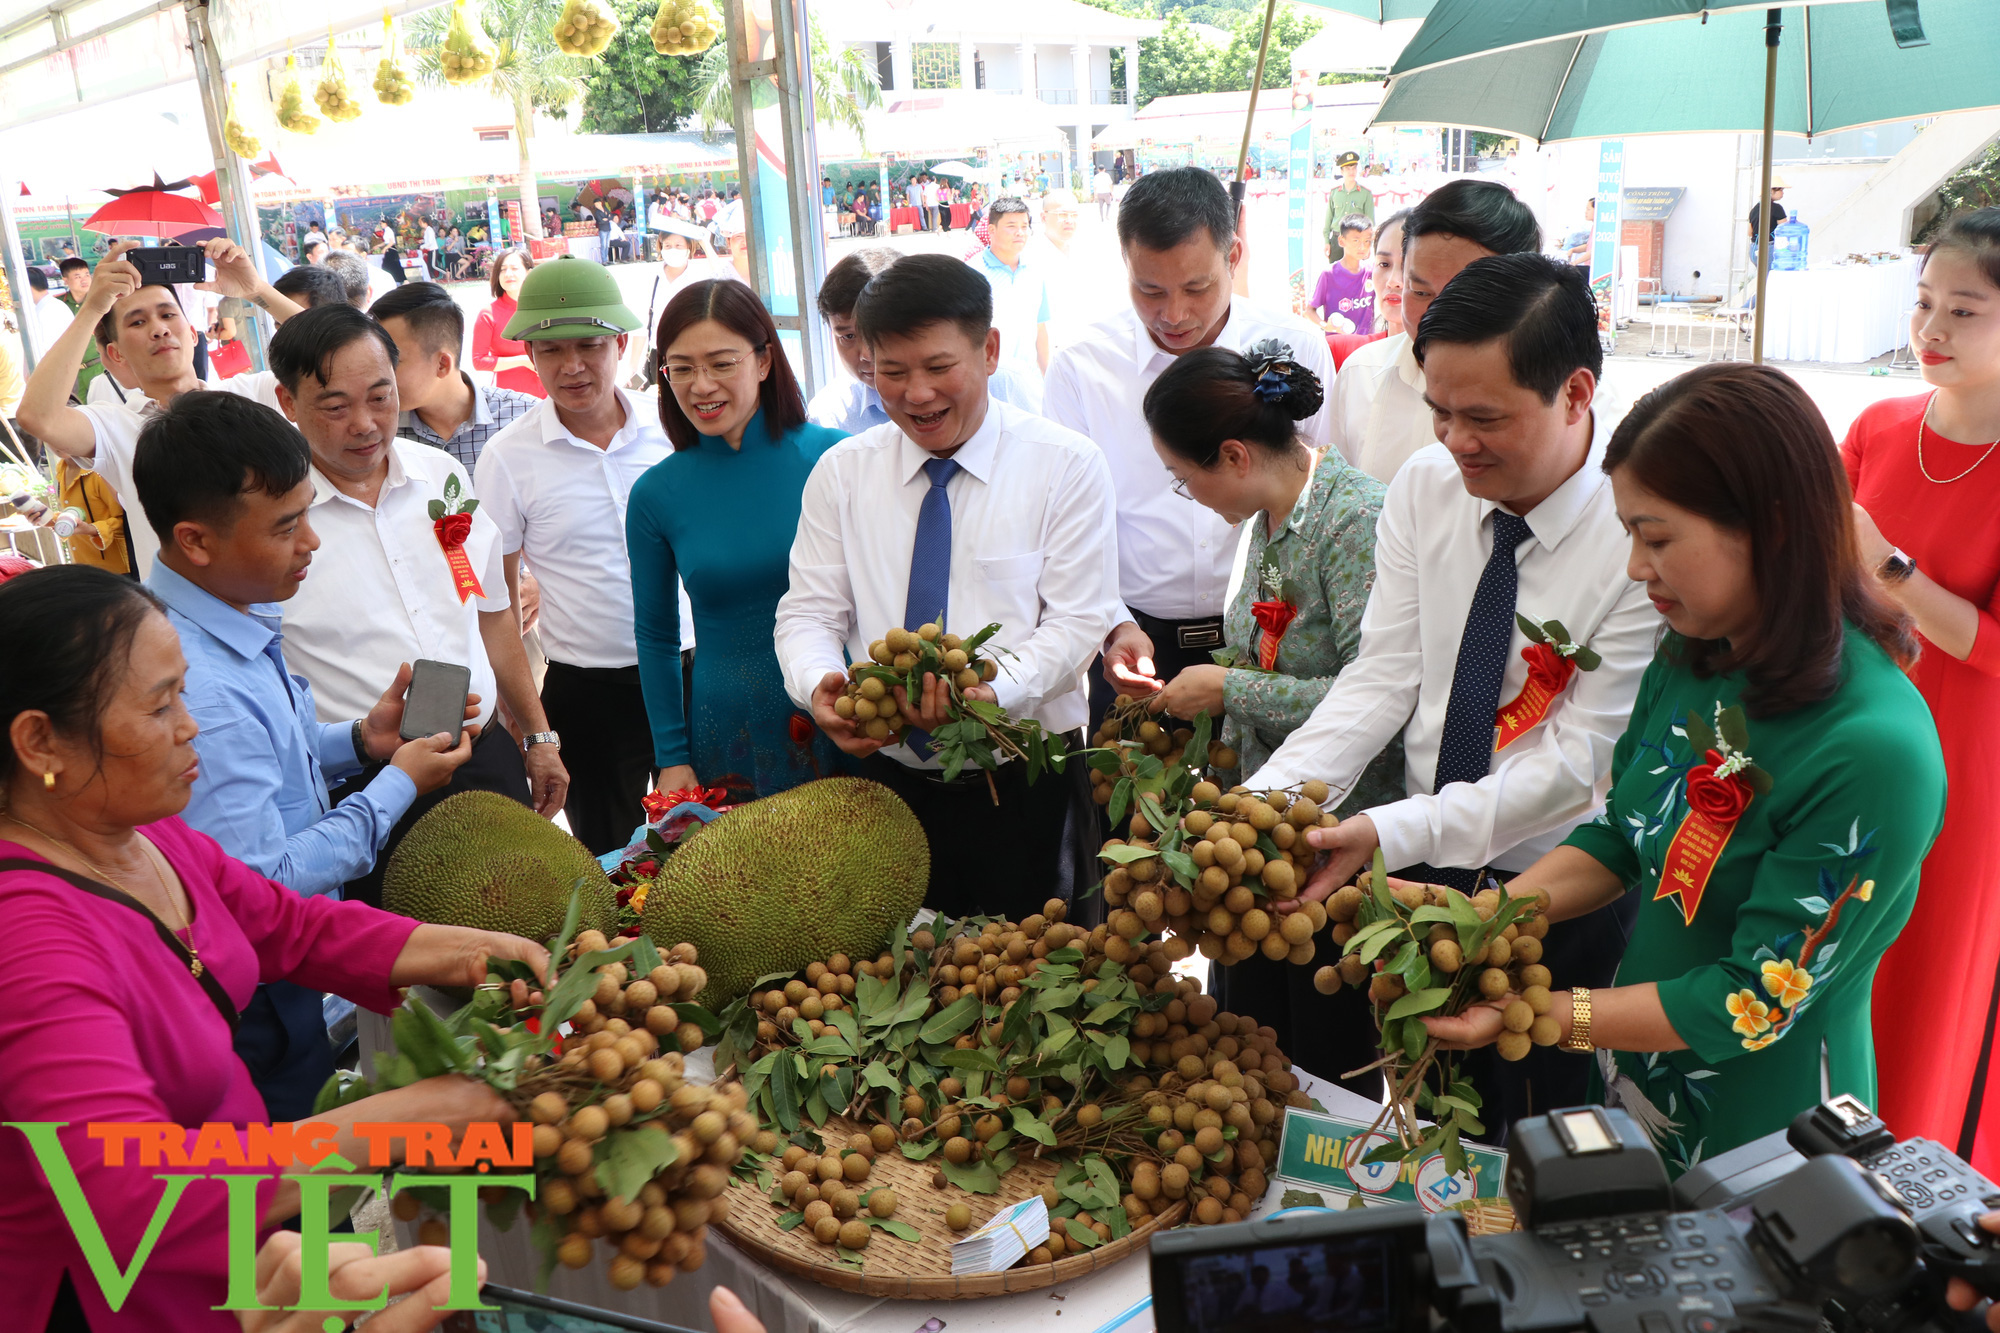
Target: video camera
[1832, 1221]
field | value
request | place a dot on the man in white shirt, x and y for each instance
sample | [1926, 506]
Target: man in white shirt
[1377, 407]
[1509, 514]
[1068, 286]
[147, 337]
[555, 484]
[930, 197]
[1100, 188]
[49, 316]
[1177, 229]
[965, 506]
[428, 247]
[1020, 288]
[393, 583]
[852, 405]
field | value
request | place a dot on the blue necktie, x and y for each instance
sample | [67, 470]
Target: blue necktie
[1465, 749]
[930, 566]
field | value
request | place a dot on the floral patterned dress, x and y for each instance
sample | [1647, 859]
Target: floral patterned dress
[1323, 563]
[1777, 858]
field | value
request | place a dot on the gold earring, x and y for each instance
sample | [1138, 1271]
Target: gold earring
[48, 781]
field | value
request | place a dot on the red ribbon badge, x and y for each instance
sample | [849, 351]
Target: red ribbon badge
[1273, 618]
[452, 530]
[1714, 806]
[1548, 672]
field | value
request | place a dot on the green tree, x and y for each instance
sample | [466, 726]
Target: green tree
[845, 84]
[1178, 61]
[529, 73]
[1289, 28]
[634, 89]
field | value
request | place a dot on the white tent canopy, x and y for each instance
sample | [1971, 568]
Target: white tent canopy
[1349, 45]
[57, 57]
[948, 122]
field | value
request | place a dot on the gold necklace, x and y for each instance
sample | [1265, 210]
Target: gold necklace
[194, 955]
[1943, 481]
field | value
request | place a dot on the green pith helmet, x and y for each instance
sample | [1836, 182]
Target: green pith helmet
[569, 298]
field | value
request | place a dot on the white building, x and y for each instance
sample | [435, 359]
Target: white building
[1080, 61]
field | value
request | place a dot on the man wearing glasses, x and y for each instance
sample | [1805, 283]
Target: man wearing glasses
[555, 483]
[1051, 252]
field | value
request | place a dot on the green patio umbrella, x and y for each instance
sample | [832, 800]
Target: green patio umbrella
[1550, 70]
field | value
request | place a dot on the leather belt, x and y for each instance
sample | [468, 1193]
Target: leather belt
[1203, 633]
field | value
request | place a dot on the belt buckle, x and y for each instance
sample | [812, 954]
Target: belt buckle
[1206, 635]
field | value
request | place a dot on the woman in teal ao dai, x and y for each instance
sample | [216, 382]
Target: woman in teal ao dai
[720, 514]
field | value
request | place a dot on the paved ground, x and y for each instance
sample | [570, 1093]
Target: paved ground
[1840, 390]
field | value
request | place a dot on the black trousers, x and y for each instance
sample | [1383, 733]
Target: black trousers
[496, 766]
[1332, 1034]
[282, 1039]
[607, 748]
[996, 860]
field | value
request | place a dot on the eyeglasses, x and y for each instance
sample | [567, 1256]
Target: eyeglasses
[1180, 488]
[721, 369]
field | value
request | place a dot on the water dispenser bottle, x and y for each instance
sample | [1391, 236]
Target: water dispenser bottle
[1788, 243]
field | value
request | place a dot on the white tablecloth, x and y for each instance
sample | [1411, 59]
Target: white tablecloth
[1847, 312]
[796, 1305]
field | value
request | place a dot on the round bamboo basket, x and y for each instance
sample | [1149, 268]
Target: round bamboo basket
[918, 1270]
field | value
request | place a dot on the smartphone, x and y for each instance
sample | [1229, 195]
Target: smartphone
[435, 701]
[525, 1312]
[168, 265]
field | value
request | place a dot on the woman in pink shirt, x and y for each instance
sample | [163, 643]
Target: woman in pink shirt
[132, 943]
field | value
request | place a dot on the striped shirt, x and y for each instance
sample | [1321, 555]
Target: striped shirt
[493, 410]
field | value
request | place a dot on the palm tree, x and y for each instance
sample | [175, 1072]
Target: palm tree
[845, 83]
[529, 73]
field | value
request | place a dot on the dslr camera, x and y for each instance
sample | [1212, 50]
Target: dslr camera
[1832, 1221]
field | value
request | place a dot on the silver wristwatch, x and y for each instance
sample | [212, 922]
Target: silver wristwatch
[535, 738]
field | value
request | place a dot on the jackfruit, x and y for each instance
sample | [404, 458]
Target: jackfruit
[481, 860]
[829, 867]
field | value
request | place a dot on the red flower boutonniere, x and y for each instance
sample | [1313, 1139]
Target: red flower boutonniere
[657, 803]
[1273, 615]
[1718, 792]
[1552, 659]
[451, 520]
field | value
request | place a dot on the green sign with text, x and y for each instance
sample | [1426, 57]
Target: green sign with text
[1325, 1152]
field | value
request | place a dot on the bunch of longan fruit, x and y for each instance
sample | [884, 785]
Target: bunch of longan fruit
[827, 1187]
[613, 1077]
[1228, 914]
[1129, 722]
[1509, 964]
[869, 699]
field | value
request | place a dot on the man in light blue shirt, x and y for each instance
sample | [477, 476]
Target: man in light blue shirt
[852, 405]
[1020, 289]
[225, 483]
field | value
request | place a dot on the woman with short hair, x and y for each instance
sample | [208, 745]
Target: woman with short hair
[1773, 797]
[134, 943]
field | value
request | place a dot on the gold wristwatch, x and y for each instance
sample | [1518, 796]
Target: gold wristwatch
[1579, 1022]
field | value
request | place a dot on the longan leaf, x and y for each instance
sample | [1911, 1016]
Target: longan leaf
[791, 1221]
[950, 1021]
[1182, 865]
[1382, 939]
[1126, 855]
[843, 1020]
[1121, 801]
[973, 1059]
[848, 1256]
[900, 1230]
[627, 1159]
[1081, 1234]
[972, 1177]
[1419, 1002]
[1414, 1037]
[1429, 915]
[1026, 1123]
[1120, 1224]
[916, 1152]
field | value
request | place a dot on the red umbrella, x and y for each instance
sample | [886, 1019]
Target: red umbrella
[153, 211]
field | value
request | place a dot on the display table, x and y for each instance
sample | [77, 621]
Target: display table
[902, 217]
[1844, 312]
[797, 1305]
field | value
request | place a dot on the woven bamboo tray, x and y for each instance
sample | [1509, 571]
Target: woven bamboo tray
[900, 1269]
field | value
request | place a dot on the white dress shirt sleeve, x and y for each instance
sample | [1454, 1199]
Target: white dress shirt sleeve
[816, 614]
[1546, 780]
[1062, 400]
[1317, 357]
[499, 501]
[1374, 695]
[1346, 410]
[1078, 589]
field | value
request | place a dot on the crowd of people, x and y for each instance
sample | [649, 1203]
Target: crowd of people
[1761, 689]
